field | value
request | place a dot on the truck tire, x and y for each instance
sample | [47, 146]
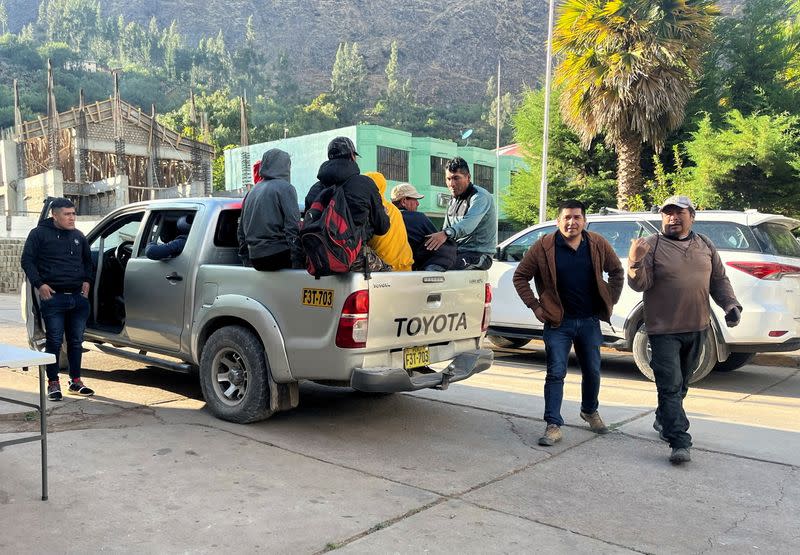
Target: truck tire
[734, 362]
[642, 355]
[508, 342]
[234, 375]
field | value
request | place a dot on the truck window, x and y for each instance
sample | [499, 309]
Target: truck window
[619, 234]
[777, 239]
[516, 250]
[162, 227]
[227, 224]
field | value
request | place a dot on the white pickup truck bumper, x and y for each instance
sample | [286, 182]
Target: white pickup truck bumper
[393, 380]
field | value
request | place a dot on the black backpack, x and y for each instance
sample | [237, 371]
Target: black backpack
[331, 241]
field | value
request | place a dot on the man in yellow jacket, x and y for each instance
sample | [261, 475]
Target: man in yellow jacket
[393, 247]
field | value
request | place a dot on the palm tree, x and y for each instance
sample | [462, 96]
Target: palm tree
[628, 68]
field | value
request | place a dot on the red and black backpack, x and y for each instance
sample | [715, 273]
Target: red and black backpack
[331, 241]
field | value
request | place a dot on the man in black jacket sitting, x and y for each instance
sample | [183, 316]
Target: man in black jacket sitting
[361, 193]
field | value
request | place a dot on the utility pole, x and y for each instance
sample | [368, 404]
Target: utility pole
[543, 183]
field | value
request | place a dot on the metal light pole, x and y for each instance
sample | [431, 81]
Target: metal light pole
[543, 184]
[497, 155]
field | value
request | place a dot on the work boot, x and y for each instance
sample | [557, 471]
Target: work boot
[54, 390]
[596, 423]
[552, 435]
[680, 455]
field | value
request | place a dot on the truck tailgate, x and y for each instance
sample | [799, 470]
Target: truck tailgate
[424, 308]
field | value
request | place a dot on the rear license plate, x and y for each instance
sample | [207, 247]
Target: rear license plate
[416, 357]
[318, 297]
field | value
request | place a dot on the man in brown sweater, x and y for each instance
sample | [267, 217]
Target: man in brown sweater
[677, 269]
[567, 267]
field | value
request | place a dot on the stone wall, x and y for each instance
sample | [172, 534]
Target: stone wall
[11, 275]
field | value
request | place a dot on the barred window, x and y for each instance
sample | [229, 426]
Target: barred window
[393, 163]
[438, 165]
[484, 176]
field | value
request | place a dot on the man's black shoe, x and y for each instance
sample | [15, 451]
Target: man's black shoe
[76, 387]
[54, 390]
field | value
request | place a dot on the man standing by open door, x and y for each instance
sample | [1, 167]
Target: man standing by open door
[58, 264]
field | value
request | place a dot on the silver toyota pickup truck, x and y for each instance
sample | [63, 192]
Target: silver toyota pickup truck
[252, 336]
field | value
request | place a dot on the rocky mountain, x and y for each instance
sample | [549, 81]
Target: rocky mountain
[449, 48]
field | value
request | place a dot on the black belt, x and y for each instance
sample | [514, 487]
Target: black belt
[67, 290]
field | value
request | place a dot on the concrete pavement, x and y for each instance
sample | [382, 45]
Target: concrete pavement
[143, 468]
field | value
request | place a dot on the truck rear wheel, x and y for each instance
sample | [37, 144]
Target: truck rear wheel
[642, 355]
[508, 342]
[234, 375]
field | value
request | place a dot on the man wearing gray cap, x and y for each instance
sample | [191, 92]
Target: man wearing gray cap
[418, 226]
[677, 270]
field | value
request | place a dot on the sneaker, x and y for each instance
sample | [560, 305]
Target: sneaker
[596, 423]
[76, 387]
[54, 390]
[552, 435]
[484, 262]
[660, 429]
[680, 455]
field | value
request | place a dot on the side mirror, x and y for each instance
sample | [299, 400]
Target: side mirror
[500, 254]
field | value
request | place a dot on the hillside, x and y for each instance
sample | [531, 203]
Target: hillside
[448, 47]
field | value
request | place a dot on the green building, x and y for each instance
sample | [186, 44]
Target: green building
[396, 154]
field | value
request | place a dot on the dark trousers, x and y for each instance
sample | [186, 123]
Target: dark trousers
[675, 356]
[65, 313]
[584, 334]
[279, 261]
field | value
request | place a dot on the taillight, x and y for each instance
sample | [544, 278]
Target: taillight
[765, 270]
[354, 321]
[487, 307]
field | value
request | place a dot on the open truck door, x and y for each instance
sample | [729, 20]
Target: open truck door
[29, 300]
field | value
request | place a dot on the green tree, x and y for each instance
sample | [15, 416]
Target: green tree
[3, 18]
[572, 171]
[247, 61]
[750, 162]
[70, 21]
[749, 67]
[628, 69]
[396, 107]
[348, 83]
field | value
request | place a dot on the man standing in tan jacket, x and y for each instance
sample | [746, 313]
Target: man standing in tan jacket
[567, 267]
[677, 269]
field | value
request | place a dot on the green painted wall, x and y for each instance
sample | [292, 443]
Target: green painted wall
[309, 151]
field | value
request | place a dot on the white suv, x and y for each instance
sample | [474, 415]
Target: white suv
[762, 261]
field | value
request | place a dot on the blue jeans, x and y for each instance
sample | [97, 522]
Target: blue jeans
[66, 314]
[675, 356]
[584, 334]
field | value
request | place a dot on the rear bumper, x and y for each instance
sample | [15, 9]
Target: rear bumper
[393, 380]
[785, 347]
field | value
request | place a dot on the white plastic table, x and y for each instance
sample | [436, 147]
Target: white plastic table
[17, 357]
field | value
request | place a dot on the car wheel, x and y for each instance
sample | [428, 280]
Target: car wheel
[234, 375]
[642, 355]
[508, 342]
[734, 362]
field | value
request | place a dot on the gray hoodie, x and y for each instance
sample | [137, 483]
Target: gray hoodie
[270, 214]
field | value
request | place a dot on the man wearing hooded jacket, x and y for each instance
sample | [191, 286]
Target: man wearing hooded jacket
[363, 199]
[58, 264]
[270, 219]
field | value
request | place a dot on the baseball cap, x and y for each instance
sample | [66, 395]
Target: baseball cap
[405, 190]
[680, 201]
[341, 147]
